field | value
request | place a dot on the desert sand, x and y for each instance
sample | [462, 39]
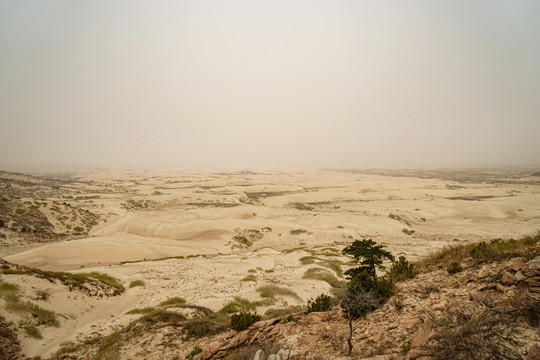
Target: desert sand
[225, 225]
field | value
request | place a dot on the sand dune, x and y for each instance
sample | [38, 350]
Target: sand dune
[153, 215]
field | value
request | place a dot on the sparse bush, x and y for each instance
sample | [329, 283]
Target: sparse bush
[173, 301]
[484, 335]
[405, 348]
[2, 224]
[201, 327]
[32, 331]
[454, 268]
[398, 303]
[321, 303]
[250, 277]
[43, 294]
[317, 273]
[136, 283]
[243, 320]
[41, 316]
[104, 278]
[145, 310]
[306, 260]
[8, 288]
[301, 206]
[297, 231]
[271, 291]
[407, 231]
[239, 304]
[288, 319]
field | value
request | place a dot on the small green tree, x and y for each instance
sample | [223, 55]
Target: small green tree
[321, 303]
[368, 254]
[402, 269]
[244, 320]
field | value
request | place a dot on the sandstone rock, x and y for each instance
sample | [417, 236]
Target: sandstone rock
[483, 273]
[411, 324]
[517, 264]
[312, 318]
[440, 306]
[475, 295]
[264, 323]
[284, 354]
[259, 355]
[508, 278]
[210, 349]
[423, 335]
[416, 354]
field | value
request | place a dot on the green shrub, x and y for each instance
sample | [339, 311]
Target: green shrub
[244, 320]
[196, 350]
[402, 269]
[8, 288]
[104, 278]
[288, 319]
[271, 291]
[454, 268]
[40, 315]
[407, 231]
[136, 283]
[321, 303]
[146, 310]
[32, 331]
[250, 277]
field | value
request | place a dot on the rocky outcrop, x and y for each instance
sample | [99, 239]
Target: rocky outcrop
[10, 348]
[257, 333]
[528, 279]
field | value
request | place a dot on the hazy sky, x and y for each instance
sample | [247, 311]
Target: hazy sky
[310, 83]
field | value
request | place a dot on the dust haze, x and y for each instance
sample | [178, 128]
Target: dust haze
[268, 84]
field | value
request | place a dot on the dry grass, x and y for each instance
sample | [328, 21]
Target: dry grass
[272, 291]
[484, 335]
[495, 250]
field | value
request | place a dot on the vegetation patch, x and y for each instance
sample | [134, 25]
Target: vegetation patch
[400, 219]
[298, 231]
[174, 301]
[272, 291]
[301, 206]
[136, 283]
[495, 250]
[250, 277]
[137, 311]
[32, 331]
[38, 314]
[321, 303]
[321, 274]
[244, 320]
